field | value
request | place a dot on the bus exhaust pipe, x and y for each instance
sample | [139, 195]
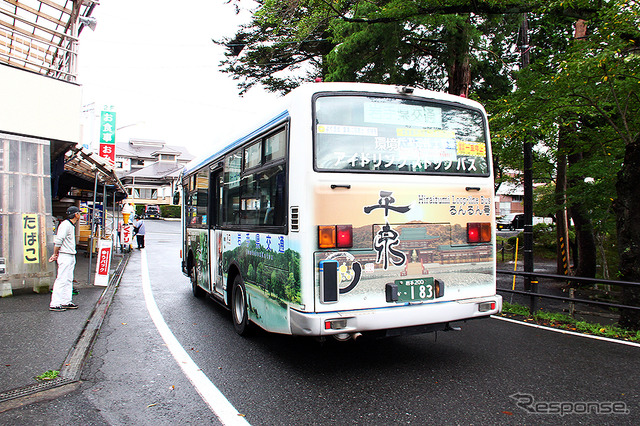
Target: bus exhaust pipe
[343, 337]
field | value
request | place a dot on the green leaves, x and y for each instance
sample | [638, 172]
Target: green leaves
[48, 375]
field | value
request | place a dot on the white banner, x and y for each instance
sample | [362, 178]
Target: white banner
[127, 235]
[104, 262]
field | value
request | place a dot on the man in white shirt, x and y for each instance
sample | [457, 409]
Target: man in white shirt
[64, 252]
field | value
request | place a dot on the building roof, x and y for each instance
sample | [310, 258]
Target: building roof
[41, 36]
[166, 150]
[90, 166]
[159, 170]
[149, 149]
[510, 188]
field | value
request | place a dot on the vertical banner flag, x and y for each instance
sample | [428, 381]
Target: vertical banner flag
[108, 135]
[104, 262]
[127, 235]
[30, 238]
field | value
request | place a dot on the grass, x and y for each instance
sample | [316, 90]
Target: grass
[48, 375]
[565, 322]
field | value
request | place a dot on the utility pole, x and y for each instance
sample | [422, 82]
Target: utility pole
[531, 283]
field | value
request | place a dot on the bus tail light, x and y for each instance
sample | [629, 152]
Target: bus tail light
[332, 236]
[439, 288]
[486, 306]
[326, 236]
[345, 236]
[335, 324]
[478, 232]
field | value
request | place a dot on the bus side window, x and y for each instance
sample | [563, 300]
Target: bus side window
[200, 199]
[250, 204]
[272, 206]
[231, 189]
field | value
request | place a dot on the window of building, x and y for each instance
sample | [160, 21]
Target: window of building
[167, 157]
[145, 193]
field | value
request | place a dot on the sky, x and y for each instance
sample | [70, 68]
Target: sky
[154, 62]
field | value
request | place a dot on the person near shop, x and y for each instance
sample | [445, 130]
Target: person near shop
[64, 253]
[139, 231]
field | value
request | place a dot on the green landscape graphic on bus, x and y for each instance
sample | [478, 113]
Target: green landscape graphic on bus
[271, 267]
[202, 259]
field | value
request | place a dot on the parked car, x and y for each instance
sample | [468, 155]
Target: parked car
[152, 211]
[511, 221]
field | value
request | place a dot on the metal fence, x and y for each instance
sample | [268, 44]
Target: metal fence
[533, 276]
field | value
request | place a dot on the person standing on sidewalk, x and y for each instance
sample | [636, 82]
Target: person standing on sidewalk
[64, 252]
[139, 231]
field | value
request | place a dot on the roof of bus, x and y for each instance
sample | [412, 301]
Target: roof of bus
[305, 92]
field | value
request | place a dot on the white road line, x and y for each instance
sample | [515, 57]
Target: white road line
[216, 401]
[573, 333]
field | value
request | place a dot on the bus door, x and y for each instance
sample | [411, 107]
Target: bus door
[216, 233]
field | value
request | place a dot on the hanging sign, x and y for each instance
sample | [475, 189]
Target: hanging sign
[30, 238]
[104, 262]
[108, 135]
[127, 235]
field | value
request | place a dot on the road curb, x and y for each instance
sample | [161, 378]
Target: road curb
[69, 378]
[567, 332]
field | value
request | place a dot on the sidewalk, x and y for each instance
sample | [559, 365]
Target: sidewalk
[35, 340]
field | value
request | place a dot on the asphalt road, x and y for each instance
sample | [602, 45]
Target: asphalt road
[467, 377]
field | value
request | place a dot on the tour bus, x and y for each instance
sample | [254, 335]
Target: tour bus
[355, 208]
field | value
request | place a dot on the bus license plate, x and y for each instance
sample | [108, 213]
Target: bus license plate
[415, 289]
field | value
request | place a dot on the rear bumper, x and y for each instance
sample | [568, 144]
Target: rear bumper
[392, 317]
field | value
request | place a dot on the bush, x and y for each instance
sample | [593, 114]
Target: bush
[545, 240]
[170, 211]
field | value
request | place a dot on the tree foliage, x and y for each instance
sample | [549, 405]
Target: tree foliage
[585, 95]
[432, 44]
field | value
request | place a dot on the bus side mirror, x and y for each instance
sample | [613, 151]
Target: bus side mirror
[176, 198]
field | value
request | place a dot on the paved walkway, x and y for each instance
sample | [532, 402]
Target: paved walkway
[35, 340]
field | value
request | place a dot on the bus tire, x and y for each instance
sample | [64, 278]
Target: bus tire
[239, 307]
[195, 288]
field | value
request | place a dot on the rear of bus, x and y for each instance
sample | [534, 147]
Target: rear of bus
[397, 216]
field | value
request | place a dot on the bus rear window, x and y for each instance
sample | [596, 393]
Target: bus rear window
[384, 134]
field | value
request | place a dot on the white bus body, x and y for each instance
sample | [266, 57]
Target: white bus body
[358, 208]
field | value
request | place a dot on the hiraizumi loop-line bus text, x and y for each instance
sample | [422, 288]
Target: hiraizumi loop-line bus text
[357, 208]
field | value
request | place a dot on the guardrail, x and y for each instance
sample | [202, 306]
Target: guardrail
[533, 276]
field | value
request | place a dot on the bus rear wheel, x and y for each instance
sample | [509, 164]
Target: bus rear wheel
[195, 288]
[239, 307]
